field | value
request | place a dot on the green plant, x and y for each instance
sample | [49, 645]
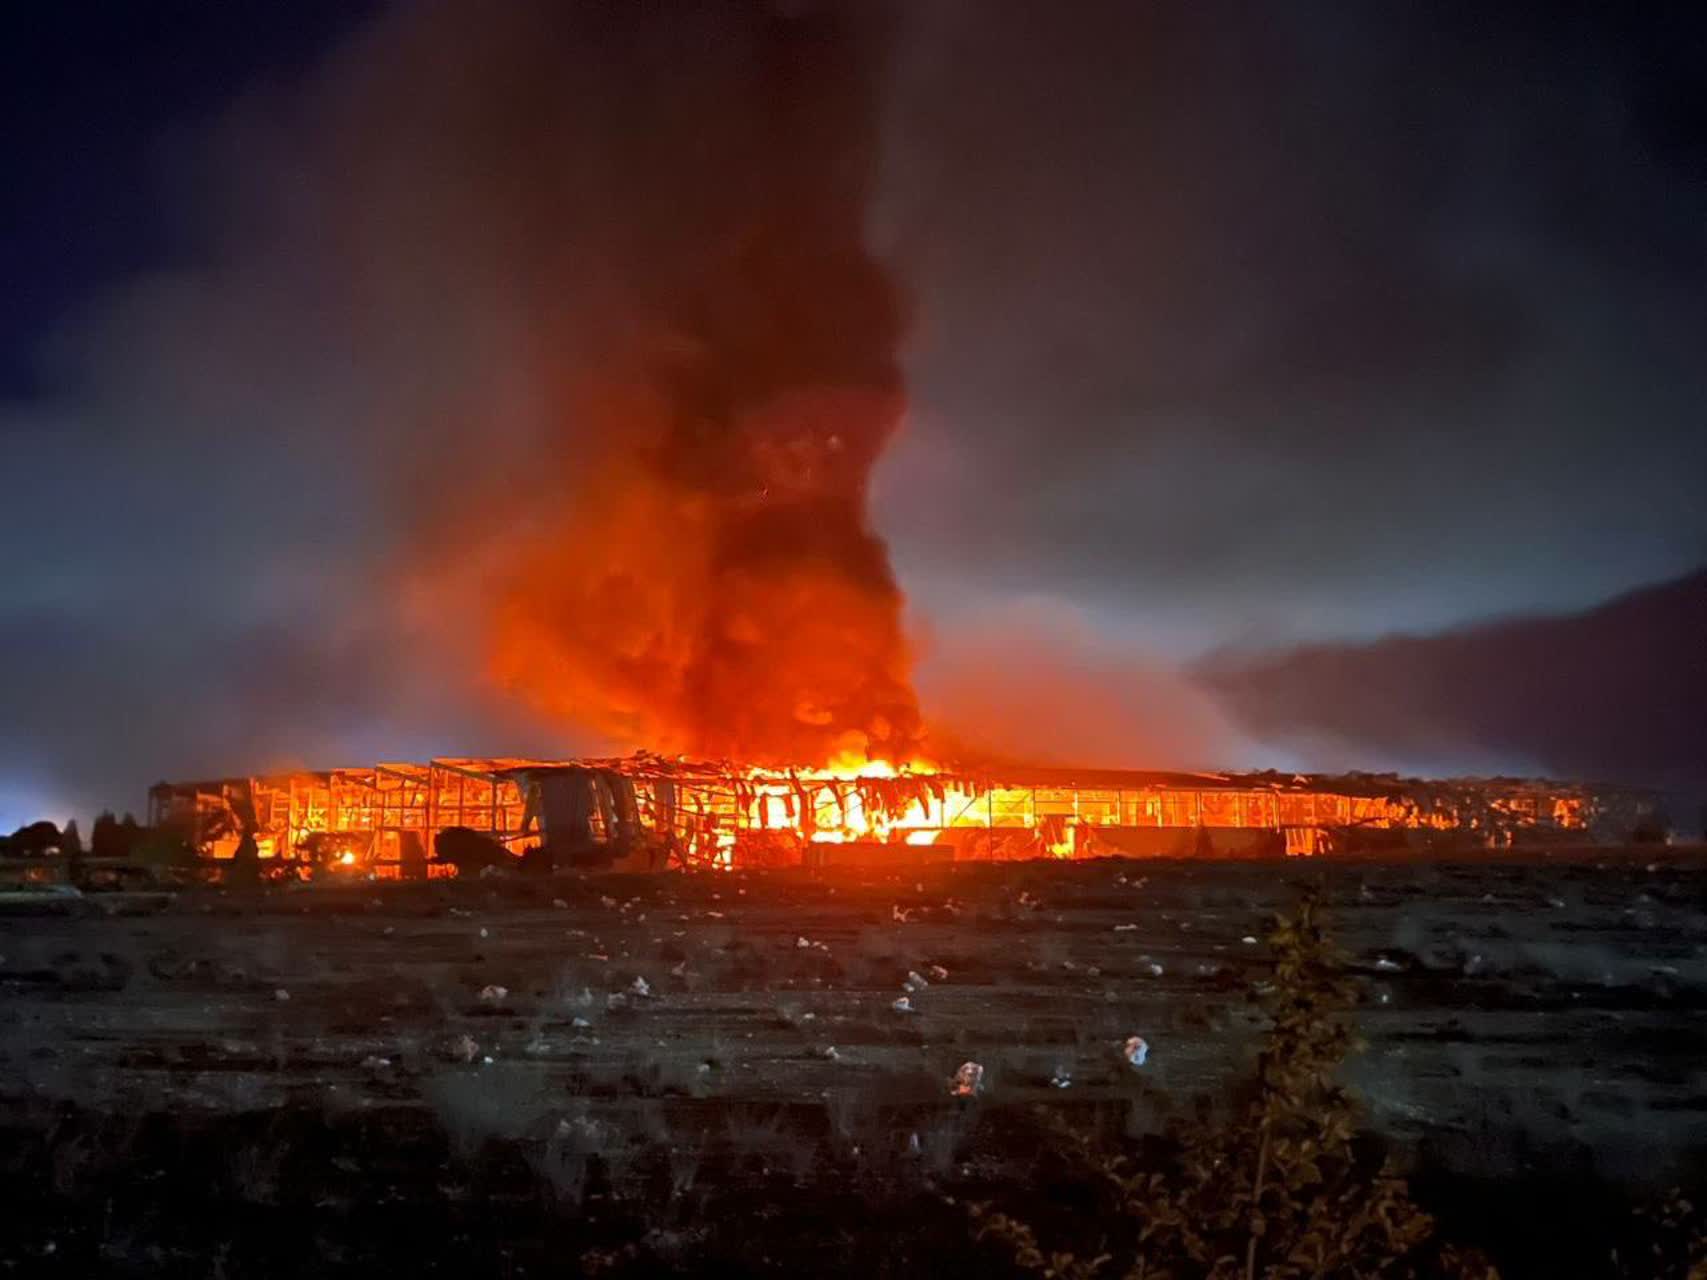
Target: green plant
[1672, 1242]
[1281, 1188]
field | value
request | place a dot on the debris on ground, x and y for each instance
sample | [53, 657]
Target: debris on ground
[1061, 1079]
[915, 981]
[640, 987]
[465, 1048]
[1125, 928]
[938, 973]
[280, 994]
[903, 1005]
[1135, 1050]
[374, 1062]
[968, 1080]
[492, 993]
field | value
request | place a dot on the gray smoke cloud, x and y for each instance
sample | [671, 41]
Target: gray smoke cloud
[1230, 326]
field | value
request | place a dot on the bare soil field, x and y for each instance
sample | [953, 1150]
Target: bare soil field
[690, 1073]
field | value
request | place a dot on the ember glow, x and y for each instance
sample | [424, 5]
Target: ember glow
[653, 811]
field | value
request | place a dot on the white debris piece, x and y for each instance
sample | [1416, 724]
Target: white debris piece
[560, 904]
[640, 987]
[614, 1001]
[463, 1049]
[1061, 1079]
[280, 994]
[580, 1024]
[483, 933]
[802, 944]
[903, 1005]
[1248, 940]
[968, 1080]
[375, 1063]
[938, 973]
[492, 993]
[914, 982]
[1125, 928]
[1153, 969]
[1135, 1050]
[1386, 966]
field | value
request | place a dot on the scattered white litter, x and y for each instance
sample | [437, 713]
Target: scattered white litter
[580, 1024]
[802, 943]
[968, 1080]
[486, 1061]
[1153, 969]
[903, 1005]
[375, 1063]
[1061, 1079]
[464, 1048]
[938, 973]
[1125, 928]
[280, 994]
[483, 933]
[1386, 965]
[1135, 1050]
[640, 987]
[560, 904]
[1248, 940]
[492, 993]
[915, 981]
[616, 1000]
[829, 1051]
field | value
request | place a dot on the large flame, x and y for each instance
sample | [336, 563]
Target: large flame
[700, 574]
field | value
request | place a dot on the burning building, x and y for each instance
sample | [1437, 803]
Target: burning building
[650, 811]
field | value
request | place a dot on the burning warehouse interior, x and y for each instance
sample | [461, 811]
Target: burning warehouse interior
[400, 819]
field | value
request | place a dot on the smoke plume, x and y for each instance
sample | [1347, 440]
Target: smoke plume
[703, 575]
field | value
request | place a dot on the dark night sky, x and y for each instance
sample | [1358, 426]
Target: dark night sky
[1236, 329]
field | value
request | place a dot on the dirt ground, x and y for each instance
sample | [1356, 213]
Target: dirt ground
[549, 1049]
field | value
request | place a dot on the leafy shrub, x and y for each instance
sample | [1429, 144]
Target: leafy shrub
[1280, 1189]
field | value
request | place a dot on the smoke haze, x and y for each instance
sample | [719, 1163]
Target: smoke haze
[516, 379]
